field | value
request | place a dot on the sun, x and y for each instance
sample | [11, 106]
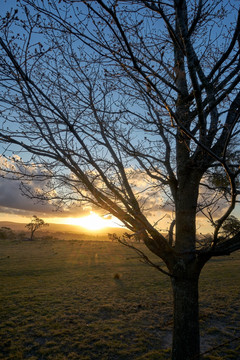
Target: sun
[94, 222]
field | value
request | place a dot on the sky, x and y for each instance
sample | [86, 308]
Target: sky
[15, 207]
[18, 208]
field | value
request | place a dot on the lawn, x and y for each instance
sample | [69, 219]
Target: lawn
[89, 300]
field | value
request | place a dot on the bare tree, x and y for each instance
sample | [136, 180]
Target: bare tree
[35, 224]
[132, 107]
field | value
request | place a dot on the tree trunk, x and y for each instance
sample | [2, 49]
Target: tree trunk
[186, 338]
[186, 205]
[32, 234]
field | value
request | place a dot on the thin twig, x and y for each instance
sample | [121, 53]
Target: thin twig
[217, 347]
[144, 257]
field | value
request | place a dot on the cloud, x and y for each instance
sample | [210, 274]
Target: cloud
[152, 199]
[11, 196]
[13, 202]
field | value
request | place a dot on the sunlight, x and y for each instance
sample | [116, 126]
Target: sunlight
[94, 222]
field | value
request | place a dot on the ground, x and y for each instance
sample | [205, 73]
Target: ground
[90, 300]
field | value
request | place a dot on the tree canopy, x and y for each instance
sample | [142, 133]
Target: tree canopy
[35, 224]
[104, 89]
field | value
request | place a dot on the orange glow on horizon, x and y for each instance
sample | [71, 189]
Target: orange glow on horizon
[93, 222]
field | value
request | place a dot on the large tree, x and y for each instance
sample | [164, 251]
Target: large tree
[132, 107]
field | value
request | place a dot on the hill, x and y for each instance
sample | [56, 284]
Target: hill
[63, 230]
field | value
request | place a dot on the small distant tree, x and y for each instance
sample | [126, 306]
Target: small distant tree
[6, 233]
[35, 224]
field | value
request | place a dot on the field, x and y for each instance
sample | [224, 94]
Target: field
[89, 300]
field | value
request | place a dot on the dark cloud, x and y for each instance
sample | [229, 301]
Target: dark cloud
[12, 201]
[11, 196]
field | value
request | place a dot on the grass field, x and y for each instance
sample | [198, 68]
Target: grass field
[66, 300]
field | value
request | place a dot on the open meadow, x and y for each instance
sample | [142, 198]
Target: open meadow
[90, 300]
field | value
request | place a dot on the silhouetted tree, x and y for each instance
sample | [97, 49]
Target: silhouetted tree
[6, 233]
[132, 107]
[35, 224]
[231, 226]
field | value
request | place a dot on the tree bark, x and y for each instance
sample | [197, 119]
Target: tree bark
[186, 338]
[186, 205]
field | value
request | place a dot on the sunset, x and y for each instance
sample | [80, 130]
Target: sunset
[94, 222]
[91, 222]
[119, 179]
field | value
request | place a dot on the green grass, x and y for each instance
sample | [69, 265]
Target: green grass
[62, 300]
